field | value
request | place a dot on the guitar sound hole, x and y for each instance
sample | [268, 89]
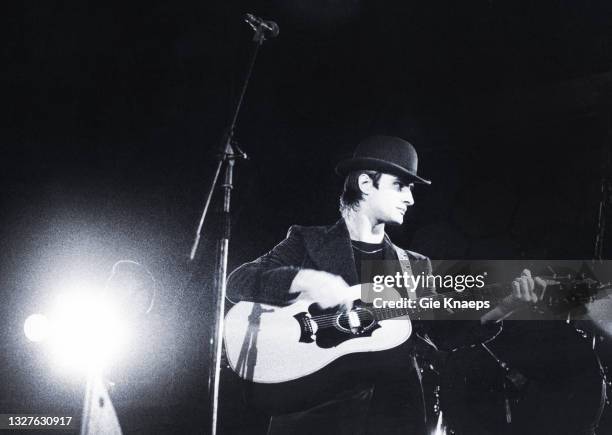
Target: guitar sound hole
[366, 321]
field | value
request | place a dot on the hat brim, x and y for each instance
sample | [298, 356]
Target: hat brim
[373, 164]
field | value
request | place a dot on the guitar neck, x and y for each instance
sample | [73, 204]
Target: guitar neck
[492, 292]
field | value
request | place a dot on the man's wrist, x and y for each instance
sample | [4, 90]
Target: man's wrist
[507, 304]
[502, 309]
[297, 284]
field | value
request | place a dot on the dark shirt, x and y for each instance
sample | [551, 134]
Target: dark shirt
[368, 254]
[372, 259]
[363, 251]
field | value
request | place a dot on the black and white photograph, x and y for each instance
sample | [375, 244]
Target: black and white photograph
[321, 217]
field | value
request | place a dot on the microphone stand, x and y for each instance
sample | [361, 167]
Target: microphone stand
[231, 152]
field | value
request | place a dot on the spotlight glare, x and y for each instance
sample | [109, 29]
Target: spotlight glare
[87, 332]
[36, 327]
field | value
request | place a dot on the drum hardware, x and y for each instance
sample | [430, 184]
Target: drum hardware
[517, 379]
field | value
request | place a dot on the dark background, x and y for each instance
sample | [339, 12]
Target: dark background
[112, 116]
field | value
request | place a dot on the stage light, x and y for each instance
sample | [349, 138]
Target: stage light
[87, 327]
[86, 331]
[36, 327]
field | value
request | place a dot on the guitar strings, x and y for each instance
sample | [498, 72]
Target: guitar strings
[326, 320]
[362, 315]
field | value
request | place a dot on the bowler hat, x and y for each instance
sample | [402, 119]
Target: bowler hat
[387, 154]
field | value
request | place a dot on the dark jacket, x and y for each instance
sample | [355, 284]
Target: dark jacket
[327, 248]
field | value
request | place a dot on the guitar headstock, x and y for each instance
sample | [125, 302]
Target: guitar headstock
[566, 293]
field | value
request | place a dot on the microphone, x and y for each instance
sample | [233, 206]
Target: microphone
[258, 23]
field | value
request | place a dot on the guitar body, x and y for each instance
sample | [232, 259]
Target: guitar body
[267, 344]
[295, 356]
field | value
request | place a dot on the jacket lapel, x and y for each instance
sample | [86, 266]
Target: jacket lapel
[331, 251]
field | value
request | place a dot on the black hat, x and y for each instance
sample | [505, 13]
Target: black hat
[387, 154]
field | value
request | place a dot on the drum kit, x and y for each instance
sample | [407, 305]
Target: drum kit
[537, 376]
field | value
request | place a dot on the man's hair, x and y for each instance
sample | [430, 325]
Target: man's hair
[352, 194]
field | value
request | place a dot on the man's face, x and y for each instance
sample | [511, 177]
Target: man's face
[388, 203]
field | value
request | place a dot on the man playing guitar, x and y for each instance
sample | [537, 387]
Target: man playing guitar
[322, 263]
